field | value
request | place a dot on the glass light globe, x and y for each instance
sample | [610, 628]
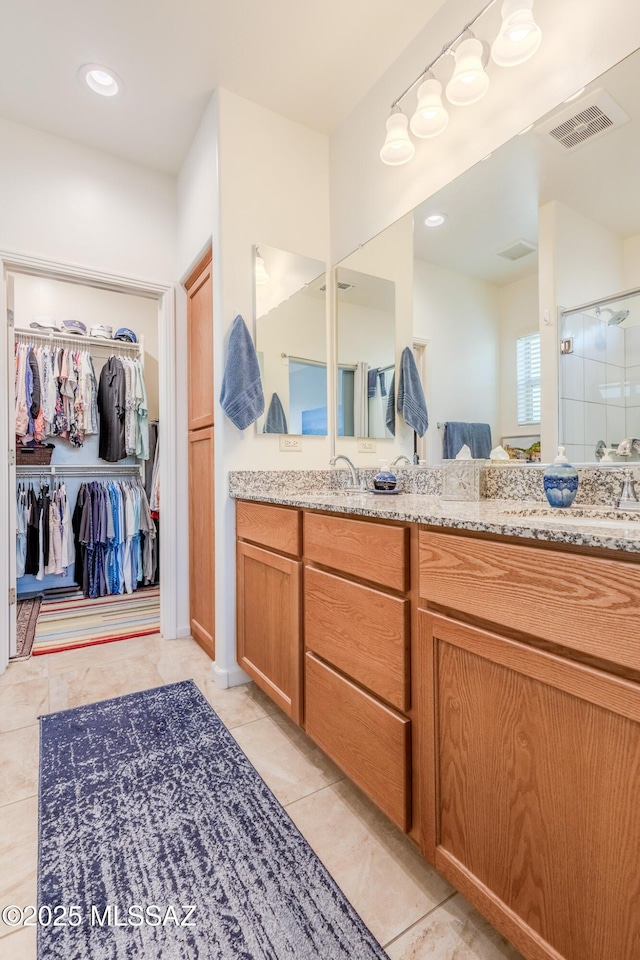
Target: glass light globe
[469, 82]
[430, 118]
[519, 37]
[397, 147]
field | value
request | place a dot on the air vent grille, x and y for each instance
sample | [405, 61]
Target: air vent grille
[517, 250]
[583, 126]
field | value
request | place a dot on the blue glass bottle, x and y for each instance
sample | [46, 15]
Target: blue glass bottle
[560, 481]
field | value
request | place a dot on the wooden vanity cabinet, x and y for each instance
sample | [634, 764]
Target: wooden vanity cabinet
[269, 630]
[529, 761]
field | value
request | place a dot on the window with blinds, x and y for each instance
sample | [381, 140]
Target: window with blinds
[528, 379]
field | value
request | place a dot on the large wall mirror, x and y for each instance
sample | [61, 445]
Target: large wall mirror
[291, 341]
[522, 276]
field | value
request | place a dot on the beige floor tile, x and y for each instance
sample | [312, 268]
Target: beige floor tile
[19, 764]
[180, 662]
[103, 653]
[18, 855]
[19, 945]
[20, 670]
[455, 931]
[88, 684]
[238, 705]
[22, 703]
[291, 765]
[378, 868]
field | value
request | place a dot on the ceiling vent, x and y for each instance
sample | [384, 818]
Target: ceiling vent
[517, 250]
[583, 121]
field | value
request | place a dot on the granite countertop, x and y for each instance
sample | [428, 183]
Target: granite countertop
[597, 527]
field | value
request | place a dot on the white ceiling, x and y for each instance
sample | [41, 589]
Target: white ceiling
[312, 62]
[496, 202]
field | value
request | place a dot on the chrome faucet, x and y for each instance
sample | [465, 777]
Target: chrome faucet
[628, 497]
[394, 463]
[628, 446]
[353, 471]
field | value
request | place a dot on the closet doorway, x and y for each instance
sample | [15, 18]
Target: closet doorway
[199, 287]
[118, 587]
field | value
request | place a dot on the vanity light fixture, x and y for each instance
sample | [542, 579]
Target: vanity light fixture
[519, 37]
[261, 271]
[435, 220]
[397, 147]
[431, 117]
[518, 40]
[469, 82]
[100, 80]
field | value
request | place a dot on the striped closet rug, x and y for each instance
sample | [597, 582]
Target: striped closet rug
[64, 624]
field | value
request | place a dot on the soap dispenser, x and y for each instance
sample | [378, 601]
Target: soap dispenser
[560, 481]
[384, 479]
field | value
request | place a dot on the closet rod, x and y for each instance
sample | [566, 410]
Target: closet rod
[77, 470]
[29, 336]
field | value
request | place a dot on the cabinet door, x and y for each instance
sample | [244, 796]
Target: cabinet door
[530, 776]
[200, 346]
[201, 539]
[269, 635]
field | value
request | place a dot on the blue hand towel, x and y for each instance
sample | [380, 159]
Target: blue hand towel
[241, 396]
[372, 382]
[276, 421]
[477, 437]
[390, 416]
[411, 402]
[383, 384]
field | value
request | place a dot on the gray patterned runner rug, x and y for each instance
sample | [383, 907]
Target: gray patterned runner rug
[158, 840]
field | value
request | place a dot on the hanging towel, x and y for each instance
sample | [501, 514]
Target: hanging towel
[411, 402]
[276, 421]
[383, 385]
[477, 437]
[241, 397]
[390, 418]
[372, 382]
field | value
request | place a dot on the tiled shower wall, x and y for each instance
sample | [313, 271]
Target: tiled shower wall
[599, 385]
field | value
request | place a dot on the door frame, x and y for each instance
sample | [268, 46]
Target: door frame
[164, 294]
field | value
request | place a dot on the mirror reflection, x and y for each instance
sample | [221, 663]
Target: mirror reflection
[366, 355]
[523, 276]
[291, 342]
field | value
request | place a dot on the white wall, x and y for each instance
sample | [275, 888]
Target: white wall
[518, 311]
[631, 261]
[198, 191]
[581, 40]
[61, 201]
[459, 317]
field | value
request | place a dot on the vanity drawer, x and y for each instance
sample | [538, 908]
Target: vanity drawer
[363, 632]
[276, 527]
[372, 551]
[368, 740]
[584, 603]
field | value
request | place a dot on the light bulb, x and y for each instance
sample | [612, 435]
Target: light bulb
[430, 118]
[100, 80]
[435, 220]
[261, 271]
[519, 37]
[397, 147]
[469, 82]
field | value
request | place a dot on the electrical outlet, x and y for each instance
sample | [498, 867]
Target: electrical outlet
[290, 444]
[366, 446]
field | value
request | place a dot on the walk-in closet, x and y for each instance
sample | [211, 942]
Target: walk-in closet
[84, 399]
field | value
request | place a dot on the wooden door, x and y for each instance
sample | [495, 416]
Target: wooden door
[269, 633]
[530, 778]
[199, 288]
[201, 525]
[201, 455]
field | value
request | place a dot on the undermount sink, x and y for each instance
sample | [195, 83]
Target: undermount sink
[601, 516]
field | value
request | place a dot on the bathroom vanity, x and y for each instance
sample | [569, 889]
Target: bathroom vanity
[476, 671]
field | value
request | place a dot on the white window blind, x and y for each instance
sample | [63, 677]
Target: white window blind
[528, 377]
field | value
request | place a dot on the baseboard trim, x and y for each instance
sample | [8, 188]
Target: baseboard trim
[228, 678]
[183, 632]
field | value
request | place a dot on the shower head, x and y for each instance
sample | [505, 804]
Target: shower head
[617, 316]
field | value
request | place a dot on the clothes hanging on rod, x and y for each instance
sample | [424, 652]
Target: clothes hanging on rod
[122, 405]
[44, 541]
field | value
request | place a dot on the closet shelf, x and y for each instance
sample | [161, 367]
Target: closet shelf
[32, 336]
[79, 470]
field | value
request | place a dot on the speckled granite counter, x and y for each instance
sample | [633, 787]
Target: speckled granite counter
[596, 527]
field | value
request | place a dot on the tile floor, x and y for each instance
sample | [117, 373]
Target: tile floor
[408, 906]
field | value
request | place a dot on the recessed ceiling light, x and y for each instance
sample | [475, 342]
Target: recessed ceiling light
[574, 96]
[100, 80]
[435, 220]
